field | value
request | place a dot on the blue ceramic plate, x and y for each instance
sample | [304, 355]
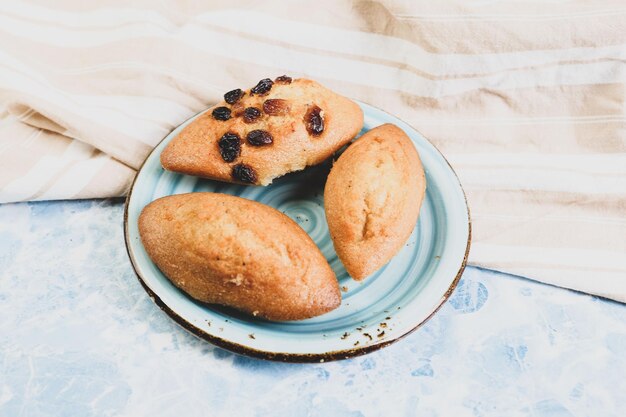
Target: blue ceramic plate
[374, 313]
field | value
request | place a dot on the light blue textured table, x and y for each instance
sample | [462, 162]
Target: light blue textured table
[80, 337]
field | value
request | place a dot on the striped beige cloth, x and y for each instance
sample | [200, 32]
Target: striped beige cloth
[526, 100]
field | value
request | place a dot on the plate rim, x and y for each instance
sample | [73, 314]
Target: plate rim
[285, 356]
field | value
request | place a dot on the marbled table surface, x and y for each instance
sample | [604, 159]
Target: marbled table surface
[80, 337]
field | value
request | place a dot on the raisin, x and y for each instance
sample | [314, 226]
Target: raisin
[244, 173]
[276, 106]
[233, 96]
[262, 87]
[221, 113]
[251, 114]
[283, 79]
[314, 121]
[230, 146]
[259, 138]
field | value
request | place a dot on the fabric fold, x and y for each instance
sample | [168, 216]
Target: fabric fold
[528, 103]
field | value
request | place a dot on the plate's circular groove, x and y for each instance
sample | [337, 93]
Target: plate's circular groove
[374, 313]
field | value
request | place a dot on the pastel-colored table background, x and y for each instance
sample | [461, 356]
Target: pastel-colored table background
[80, 337]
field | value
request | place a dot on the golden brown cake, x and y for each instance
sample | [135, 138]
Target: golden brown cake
[256, 135]
[227, 250]
[372, 199]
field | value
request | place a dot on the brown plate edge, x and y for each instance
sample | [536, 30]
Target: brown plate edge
[282, 356]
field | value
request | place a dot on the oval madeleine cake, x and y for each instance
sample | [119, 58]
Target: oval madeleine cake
[372, 199]
[222, 249]
[255, 135]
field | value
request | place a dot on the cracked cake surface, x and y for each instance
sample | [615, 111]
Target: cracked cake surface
[372, 199]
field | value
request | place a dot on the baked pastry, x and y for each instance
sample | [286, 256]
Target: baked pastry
[372, 199]
[222, 249]
[256, 135]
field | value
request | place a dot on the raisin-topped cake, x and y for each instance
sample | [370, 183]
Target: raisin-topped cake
[256, 135]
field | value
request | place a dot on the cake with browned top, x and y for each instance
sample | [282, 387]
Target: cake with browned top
[256, 135]
[222, 249]
[372, 199]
